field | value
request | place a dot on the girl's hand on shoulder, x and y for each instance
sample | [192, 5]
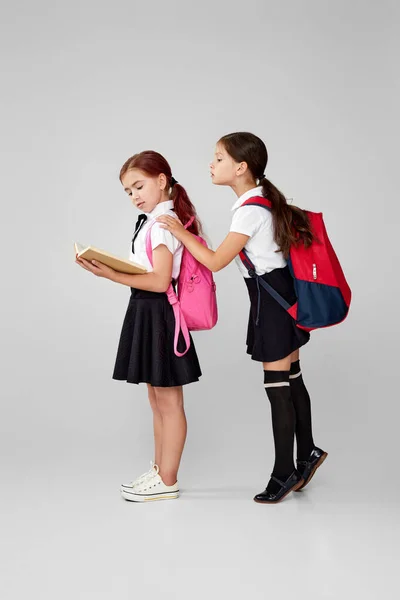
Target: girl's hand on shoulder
[173, 225]
[97, 268]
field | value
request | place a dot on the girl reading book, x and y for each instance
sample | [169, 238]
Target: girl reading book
[146, 348]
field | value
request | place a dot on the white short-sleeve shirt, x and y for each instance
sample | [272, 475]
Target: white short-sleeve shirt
[159, 236]
[256, 222]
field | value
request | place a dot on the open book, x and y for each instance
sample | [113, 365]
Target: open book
[118, 264]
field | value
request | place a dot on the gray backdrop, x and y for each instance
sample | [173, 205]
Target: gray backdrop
[84, 86]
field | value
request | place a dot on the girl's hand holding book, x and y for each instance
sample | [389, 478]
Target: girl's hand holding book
[97, 268]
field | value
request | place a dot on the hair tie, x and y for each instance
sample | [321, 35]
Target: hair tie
[261, 177]
[173, 181]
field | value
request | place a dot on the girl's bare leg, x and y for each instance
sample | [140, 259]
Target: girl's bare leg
[157, 424]
[174, 429]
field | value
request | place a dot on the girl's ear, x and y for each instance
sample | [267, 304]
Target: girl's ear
[241, 168]
[163, 181]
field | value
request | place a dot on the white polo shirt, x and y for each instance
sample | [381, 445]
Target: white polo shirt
[256, 222]
[159, 236]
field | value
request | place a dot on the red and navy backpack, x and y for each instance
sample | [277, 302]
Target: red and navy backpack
[323, 294]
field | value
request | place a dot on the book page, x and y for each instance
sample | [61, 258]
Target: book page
[79, 248]
[118, 264]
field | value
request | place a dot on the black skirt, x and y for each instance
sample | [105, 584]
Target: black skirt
[276, 335]
[146, 347]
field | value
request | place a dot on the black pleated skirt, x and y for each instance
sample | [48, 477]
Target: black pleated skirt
[276, 335]
[146, 347]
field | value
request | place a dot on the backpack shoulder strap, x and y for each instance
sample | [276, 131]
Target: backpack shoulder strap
[258, 201]
[254, 201]
[149, 249]
[265, 203]
[180, 323]
[188, 224]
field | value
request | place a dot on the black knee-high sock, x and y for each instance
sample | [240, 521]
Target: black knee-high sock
[283, 424]
[302, 407]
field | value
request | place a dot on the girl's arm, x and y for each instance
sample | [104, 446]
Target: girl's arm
[156, 281]
[215, 261]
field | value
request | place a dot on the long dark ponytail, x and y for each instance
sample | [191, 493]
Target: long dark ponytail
[291, 224]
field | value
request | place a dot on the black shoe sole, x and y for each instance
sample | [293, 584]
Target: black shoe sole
[295, 488]
[318, 464]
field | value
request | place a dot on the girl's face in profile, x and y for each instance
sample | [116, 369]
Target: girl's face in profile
[145, 191]
[223, 167]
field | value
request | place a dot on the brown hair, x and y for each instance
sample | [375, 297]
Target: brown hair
[153, 164]
[291, 224]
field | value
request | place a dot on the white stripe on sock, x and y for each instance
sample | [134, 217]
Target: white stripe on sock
[295, 376]
[277, 384]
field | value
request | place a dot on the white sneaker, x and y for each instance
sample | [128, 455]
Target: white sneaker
[152, 471]
[152, 488]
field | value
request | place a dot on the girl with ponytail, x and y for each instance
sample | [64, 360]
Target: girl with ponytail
[272, 337]
[146, 348]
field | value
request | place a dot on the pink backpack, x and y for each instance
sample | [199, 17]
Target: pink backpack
[195, 306]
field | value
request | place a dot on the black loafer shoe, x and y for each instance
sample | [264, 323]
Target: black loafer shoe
[292, 483]
[308, 467]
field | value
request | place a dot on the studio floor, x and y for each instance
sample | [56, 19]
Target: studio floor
[67, 534]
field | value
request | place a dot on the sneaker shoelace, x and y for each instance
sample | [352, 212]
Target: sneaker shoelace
[147, 476]
[145, 484]
[143, 476]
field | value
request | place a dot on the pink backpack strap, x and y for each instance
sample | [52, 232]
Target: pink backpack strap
[188, 224]
[149, 249]
[180, 323]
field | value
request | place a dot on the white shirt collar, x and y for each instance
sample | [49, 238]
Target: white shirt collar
[160, 209]
[257, 191]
